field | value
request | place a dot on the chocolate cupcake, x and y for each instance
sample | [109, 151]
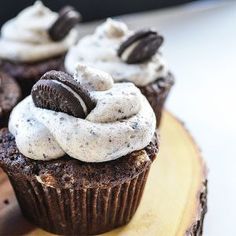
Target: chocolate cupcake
[127, 56]
[10, 94]
[78, 152]
[36, 41]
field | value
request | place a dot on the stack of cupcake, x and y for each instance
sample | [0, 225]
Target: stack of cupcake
[79, 147]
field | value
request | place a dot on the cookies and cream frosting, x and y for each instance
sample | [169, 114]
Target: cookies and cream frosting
[100, 51]
[121, 122]
[25, 38]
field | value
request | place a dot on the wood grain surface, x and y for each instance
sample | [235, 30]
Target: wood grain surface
[174, 202]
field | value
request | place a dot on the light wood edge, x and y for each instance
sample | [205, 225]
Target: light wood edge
[195, 222]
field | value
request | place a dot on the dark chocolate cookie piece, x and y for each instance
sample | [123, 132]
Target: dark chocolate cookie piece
[58, 91]
[69, 81]
[145, 45]
[68, 18]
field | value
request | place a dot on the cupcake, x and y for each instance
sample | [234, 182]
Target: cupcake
[36, 41]
[78, 152]
[10, 94]
[127, 56]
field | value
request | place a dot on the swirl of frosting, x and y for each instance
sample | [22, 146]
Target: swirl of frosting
[100, 51]
[122, 122]
[25, 38]
[93, 79]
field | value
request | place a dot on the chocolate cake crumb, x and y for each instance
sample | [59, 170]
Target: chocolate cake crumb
[6, 202]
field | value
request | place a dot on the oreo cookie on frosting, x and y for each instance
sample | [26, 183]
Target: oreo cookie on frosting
[59, 91]
[68, 18]
[141, 46]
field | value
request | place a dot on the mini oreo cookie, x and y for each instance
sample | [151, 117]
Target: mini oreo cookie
[58, 91]
[145, 44]
[68, 18]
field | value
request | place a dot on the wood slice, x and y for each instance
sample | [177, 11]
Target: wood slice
[174, 202]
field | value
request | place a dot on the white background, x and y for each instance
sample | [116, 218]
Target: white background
[200, 47]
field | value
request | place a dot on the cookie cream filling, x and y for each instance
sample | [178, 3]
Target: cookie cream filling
[122, 122]
[25, 38]
[100, 51]
[127, 52]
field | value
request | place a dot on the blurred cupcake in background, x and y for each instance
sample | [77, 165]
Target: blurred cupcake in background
[127, 55]
[36, 41]
[10, 94]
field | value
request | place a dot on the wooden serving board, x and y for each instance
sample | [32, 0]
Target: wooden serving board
[174, 202]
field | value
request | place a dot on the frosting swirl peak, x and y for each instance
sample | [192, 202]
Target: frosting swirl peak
[112, 29]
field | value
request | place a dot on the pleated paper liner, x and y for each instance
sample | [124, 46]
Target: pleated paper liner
[84, 211]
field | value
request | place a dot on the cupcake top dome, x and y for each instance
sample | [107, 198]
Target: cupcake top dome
[87, 117]
[27, 38]
[125, 54]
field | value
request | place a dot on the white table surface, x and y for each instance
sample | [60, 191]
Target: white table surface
[200, 47]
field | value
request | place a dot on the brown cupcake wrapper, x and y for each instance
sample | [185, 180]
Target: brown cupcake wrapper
[84, 211]
[157, 95]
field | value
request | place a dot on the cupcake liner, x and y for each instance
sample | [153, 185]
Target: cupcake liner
[83, 211]
[157, 93]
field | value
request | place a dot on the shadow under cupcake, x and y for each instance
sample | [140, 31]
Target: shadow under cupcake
[127, 56]
[36, 41]
[78, 152]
